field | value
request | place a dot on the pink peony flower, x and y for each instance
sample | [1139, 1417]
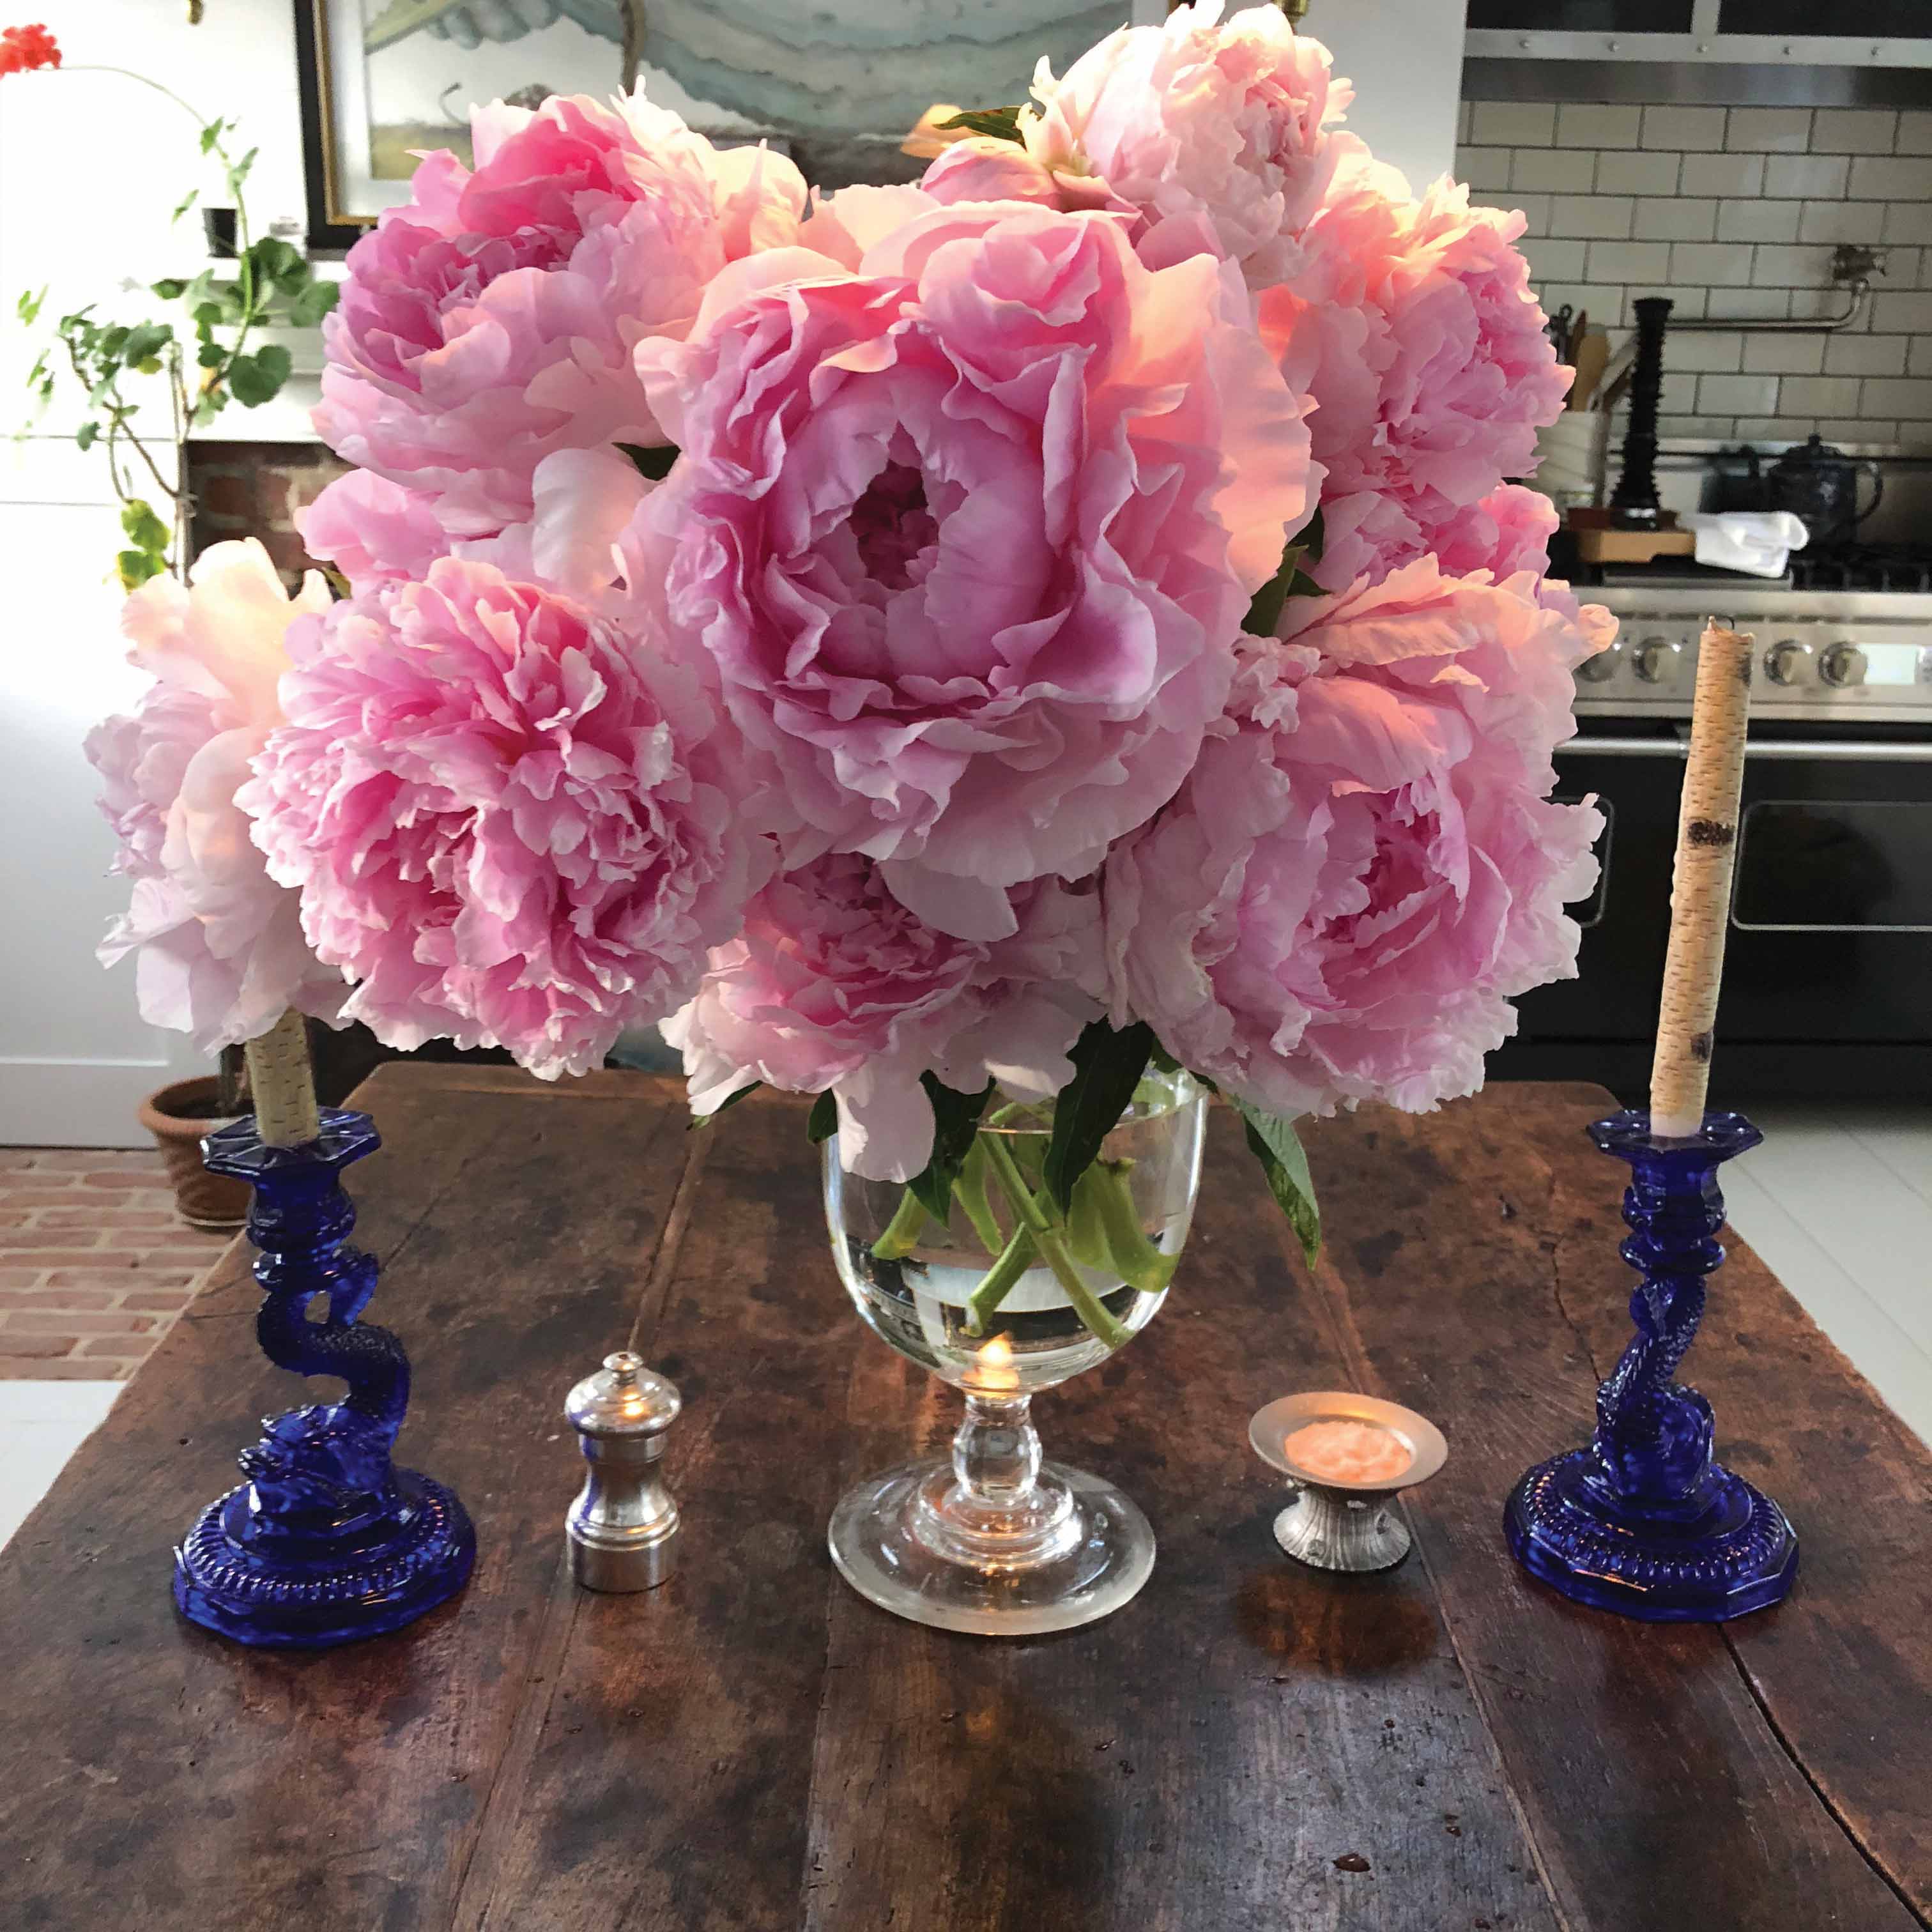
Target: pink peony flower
[218, 947]
[513, 822]
[1216, 133]
[970, 533]
[833, 985]
[1365, 868]
[491, 321]
[1412, 326]
[370, 528]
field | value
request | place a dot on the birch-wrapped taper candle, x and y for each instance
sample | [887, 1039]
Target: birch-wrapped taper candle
[284, 1086]
[1700, 893]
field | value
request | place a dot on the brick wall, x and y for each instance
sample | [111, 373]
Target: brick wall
[1733, 211]
[254, 490]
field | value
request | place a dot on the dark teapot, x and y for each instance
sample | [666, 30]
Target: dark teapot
[1820, 486]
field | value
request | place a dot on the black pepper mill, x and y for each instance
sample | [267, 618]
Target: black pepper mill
[1633, 504]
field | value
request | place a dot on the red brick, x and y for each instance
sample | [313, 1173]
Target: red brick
[86, 1160]
[133, 1349]
[19, 1277]
[78, 1324]
[63, 1369]
[14, 1240]
[118, 1178]
[13, 1300]
[32, 1348]
[121, 1279]
[102, 1215]
[43, 1195]
[160, 1300]
[10, 1219]
[175, 1240]
[52, 1258]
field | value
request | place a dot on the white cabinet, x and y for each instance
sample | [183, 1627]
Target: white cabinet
[1775, 33]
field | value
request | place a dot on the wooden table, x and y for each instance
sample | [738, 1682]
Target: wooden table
[1248, 1745]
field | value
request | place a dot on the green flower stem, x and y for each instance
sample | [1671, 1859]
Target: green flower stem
[969, 1191]
[1138, 1261]
[1048, 1239]
[903, 1230]
[1015, 1258]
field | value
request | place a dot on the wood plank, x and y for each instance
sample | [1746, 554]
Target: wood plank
[1470, 1254]
[1205, 1757]
[150, 1770]
[669, 1773]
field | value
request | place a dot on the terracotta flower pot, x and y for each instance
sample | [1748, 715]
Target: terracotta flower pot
[178, 1115]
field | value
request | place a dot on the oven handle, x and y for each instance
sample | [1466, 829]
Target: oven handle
[1913, 752]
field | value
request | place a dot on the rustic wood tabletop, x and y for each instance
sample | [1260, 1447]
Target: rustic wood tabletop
[1249, 1744]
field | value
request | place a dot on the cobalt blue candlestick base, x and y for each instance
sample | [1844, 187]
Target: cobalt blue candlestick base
[1644, 1522]
[327, 1540]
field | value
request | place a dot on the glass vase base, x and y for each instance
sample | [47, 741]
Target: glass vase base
[1736, 1554]
[345, 1581]
[1078, 1559]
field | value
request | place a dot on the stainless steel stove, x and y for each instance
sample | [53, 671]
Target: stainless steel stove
[1828, 983]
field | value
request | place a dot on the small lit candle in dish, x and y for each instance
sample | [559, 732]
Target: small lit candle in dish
[1346, 1456]
[1349, 1451]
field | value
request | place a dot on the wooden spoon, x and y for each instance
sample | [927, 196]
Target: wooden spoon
[1593, 355]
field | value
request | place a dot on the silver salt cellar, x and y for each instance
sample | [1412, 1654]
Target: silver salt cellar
[623, 1528]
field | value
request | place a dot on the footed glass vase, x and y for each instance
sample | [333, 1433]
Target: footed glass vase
[1645, 1521]
[1008, 1295]
[327, 1540]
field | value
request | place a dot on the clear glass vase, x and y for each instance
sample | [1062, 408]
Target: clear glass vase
[1008, 1295]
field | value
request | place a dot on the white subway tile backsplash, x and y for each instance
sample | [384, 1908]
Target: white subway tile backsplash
[1854, 130]
[1899, 178]
[1737, 395]
[1856, 429]
[1906, 220]
[1552, 261]
[1592, 217]
[1510, 124]
[1722, 175]
[1915, 132]
[1783, 355]
[1629, 261]
[1838, 220]
[1918, 356]
[1822, 395]
[1465, 114]
[1750, 305]
[1776, 266]
[1909, 397]
[1534, 209]
[1870, 354]
[1553, 170]
[1702, 128]
[1676, 219]
[1769, 130]
[1910, 311]
[1586, 127]
[1807, 177]
[1719, 264]
[1677, 395]
[1705, 351]
[1758, 221]
[1648, 173]
[1486, 170]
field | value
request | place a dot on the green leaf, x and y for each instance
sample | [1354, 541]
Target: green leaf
[1312, 536]
[142, 526]
[27, 308]
[653, 464]
[256, 379]
[207, 314]
[238, 173]
[187, 202]
[724, 1105]
[84, 437]
[1163, 1061]
[1107, 1068]
[274, 261]
[145, 343]
[307, 308]
[956, 1119]
[1274, 1143]
[170, 289]
[998, 124]
[210, 355]
[134, 567]
[1290, 580]
[211, 132]
[824, 1121]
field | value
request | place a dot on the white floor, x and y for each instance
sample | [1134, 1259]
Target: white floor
[1838, 1200]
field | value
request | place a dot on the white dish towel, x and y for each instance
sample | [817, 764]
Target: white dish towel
[1759, 541]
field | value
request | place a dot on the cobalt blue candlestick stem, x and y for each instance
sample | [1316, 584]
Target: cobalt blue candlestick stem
[1645, 1521]
[327, 1540]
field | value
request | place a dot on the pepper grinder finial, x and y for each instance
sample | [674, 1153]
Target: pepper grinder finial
[623, 1525]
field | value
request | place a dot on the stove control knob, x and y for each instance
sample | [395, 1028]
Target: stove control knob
[1842, 664]
[1657, 659]
[1601, 668]
[1784, 663]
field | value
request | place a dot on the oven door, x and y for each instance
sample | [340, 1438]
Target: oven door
[1831, 930]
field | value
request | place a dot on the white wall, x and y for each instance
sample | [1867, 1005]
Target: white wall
[90, 165]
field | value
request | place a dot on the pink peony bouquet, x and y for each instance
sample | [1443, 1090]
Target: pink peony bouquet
[1068, 615]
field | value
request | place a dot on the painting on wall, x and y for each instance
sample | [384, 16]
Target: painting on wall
[838, 82]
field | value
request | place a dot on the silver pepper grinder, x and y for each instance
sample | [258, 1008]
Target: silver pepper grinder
[623, 1528]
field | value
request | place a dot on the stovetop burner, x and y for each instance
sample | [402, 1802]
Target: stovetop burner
[1863, 567]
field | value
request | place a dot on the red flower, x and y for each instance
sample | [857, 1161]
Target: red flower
[23, 49]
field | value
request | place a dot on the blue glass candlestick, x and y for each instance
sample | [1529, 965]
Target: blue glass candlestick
[1644, 1522]
[327, 1540]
